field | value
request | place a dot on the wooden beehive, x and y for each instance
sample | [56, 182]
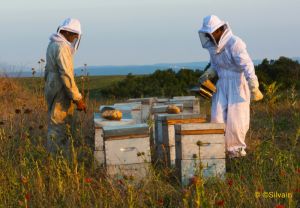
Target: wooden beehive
[99, 123]
[165, 134]
[190, 103]
[127, 150]
[200, 144]
[147, 104]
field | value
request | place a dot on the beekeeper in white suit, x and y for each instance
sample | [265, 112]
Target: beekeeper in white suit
[237, 82]
[60, 88]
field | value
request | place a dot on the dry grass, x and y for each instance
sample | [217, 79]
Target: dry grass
[30, 177]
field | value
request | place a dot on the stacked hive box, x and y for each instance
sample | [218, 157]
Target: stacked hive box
[99, 123]
[190, 103]
[147, 104]
[127, 150]
[165, 134]
[161, 109]
[201, 143]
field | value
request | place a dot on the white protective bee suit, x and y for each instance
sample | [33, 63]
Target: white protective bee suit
[236, 84]
[60, 86]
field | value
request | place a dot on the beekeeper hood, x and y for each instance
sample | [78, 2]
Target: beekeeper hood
[210, 24]
[70, 25]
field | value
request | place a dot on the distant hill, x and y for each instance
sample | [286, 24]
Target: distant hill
[123, 70]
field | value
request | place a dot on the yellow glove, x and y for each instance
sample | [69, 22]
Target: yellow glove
[256, 94]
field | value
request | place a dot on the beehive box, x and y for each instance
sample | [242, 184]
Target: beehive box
[160, 109]
[165, 134]
[127, 150]
[190, 103]
[200, 143]
[135, 109]
[147, 104]
[99, 123]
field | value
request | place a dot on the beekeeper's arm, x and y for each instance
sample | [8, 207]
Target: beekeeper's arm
[210, 73]
[65, 64]
[243, 60]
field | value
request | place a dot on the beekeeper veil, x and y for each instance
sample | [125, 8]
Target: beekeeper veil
[74, 26]
[210, 24]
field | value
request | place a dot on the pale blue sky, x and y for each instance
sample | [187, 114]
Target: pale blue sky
[125, 32]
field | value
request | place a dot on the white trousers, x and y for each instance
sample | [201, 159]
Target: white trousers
[231, 105]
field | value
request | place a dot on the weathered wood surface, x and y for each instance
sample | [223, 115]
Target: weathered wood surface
[135, 129]
[200, 146]
[137, 171]
[99, 157]
[128, 151]
[188, 168]
[200, 126]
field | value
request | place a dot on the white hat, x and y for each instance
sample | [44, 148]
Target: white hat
[71, 25]
[210, 24]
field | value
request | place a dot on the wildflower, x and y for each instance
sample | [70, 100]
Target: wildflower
[186, 193]
[297, 191]
[298, 170]
[17, 111]
[220, 203]
[230, 182]
[41, 126]
[260, 189]
[27, 196]
[120, 182]
[160, 202]
[243, 178]
[88, 180]
[282, 173]
[195, 180]
[24, 179]
[27, 111]
[279, 206]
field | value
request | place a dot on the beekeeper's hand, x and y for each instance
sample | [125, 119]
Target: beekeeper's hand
[80, 105]
[256, 94]
[208, 74]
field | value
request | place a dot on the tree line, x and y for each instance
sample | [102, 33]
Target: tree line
[168, 83]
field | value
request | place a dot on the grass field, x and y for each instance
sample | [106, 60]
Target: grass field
[30, 177]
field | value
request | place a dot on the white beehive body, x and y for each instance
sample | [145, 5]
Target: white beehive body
[127, 150]
[165, 134]
[147, 104]
[99, 123]
[201, 142]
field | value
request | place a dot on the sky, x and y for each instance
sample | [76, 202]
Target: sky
[140, 32]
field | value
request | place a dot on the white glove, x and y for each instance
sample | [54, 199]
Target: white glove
[256, 94]
[208, 74]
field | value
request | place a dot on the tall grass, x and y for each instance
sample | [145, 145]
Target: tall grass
[30, 177]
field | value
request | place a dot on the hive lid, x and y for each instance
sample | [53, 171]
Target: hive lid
[200, 128]
[119, 131]
[166, 117]
[148, 101]
[101, 122]
[163, 108]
